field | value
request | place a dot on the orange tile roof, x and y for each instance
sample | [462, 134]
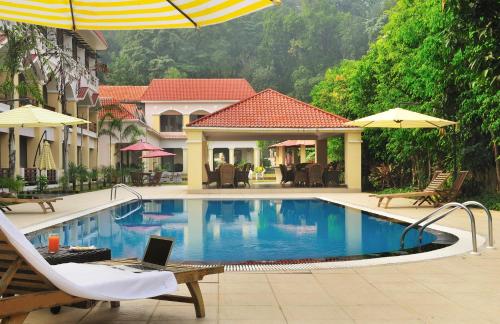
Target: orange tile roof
[271, 109]
[198, 89]
[117, 96]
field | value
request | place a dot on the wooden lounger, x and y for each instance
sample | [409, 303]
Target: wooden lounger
[24, 290]
[45, 204]
[428, 195]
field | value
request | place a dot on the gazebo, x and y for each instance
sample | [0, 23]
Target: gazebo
[270, 115]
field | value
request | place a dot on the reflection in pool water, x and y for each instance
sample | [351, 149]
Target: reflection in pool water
[235, 230]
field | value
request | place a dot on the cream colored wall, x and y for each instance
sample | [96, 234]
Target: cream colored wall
[352, 157]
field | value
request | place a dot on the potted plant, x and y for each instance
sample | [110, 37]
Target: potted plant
[259, 172]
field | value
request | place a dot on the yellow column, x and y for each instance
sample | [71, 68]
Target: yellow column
[303, 154]
[56, 146]
[231, 156]
[280, 157]
[72, 150]
[4, 146]
[185, 120]
[352, 158]
[321, 152]
[195, 145]
[85, 141]
[156, 122]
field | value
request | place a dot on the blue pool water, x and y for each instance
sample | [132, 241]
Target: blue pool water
[236, 230]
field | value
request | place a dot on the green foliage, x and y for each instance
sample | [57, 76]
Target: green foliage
[42, 182]
[440, 62]
[13, 185]
[490, 200]
[287, 47]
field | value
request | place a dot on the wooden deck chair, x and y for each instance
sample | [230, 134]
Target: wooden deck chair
[45, 204]
[451, 194]
[428, 195]
[29, 283]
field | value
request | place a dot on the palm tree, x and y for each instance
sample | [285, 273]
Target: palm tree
[117, 129]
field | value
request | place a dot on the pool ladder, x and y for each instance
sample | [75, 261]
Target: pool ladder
[129, 189]
[444, 211]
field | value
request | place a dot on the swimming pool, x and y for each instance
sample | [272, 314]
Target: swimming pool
[239, 231]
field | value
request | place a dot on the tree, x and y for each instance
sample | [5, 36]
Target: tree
[22, 43]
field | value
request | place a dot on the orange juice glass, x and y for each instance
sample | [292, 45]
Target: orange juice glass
[53, 243]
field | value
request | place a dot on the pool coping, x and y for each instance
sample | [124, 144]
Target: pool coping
[461, 246]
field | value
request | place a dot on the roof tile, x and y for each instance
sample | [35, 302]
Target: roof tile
[117, 96]
[270, 109]
[198, 89]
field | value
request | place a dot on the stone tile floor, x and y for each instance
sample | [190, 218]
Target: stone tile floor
[457, 289]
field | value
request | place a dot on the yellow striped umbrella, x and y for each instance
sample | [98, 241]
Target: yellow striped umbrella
[46, 160]
[128, 14]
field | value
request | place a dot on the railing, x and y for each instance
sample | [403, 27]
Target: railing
[466, 204]
[124, 186]
[446, 211]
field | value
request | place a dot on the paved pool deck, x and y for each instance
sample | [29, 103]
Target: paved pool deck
[458, 289]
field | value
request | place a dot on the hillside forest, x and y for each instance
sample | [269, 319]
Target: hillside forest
[356, 58]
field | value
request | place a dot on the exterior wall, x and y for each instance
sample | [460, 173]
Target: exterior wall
[352, 157]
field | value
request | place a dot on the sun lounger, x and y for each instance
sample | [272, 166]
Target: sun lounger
[29, 283]
[428, 195]
[448, 195]
[45, 203]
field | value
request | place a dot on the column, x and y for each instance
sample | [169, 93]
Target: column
[194, 143]
[321, 153]
[56, 146]
[72, 149]
[352, 158]
[303, 154]
[85, 140]
[184, 160]
[211, 158]
[185, 120]
[256, 156]
[231, 156]
[156, 122]
[4, 146]
[280, 158]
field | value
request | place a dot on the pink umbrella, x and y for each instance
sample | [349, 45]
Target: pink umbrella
[156, 154]
[141, 146]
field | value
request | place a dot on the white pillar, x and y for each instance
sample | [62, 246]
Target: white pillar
[211, 158]
[256, 156]
[184, 160]
[231, 156]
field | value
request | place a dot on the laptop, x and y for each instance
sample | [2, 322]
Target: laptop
[156, 255]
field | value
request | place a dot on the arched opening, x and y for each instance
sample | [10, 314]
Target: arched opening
[197, 115]
[171, 121]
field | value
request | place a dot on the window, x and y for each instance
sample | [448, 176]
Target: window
[194, 117]
[171, 123]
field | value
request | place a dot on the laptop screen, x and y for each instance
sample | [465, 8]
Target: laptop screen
[158, 251]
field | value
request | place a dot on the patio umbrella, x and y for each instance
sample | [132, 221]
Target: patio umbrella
[31, 116]
[46, 160]
[400, 118]
[141, 146]
[156, 154]
[126, 14]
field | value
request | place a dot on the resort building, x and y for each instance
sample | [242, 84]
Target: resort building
[69, 85]
[166, 106]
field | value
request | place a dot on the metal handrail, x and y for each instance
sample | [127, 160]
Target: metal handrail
[139, 207]
[124, 186]
[466, 204]
[446, 206]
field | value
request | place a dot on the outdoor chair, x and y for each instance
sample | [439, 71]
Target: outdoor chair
[286, 175]
[154, 180]
[29, 283]
[226, 175]
[241, 175]
[30, 176]
[314, 175]
[300, 176]
[430, 194]
[212, 176]
[52, 176]
[137, 179]
[451, 194]
[45, 204]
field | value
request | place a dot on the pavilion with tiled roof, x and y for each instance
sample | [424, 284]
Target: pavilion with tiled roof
[270, 115]
[121, 102]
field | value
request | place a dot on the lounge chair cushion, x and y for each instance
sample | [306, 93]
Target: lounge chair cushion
[91, 281]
